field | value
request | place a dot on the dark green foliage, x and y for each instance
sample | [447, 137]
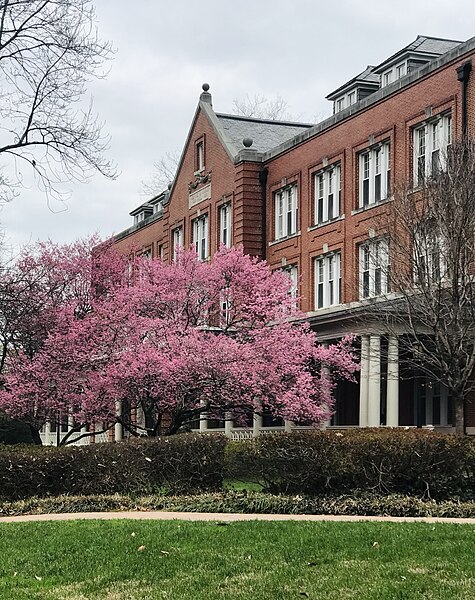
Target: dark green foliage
[384, 461]
[366, 503]
[14, 432]
[184, 463]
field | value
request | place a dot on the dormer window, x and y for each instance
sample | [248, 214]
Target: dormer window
[158, 207]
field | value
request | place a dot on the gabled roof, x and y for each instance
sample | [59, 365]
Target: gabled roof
[367, 78]
[265, 134]
[422, 46]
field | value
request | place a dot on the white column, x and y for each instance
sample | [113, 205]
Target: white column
[374, 382]
[228, 425]
[288, 426]
[392, 395]
[364, 375]
[256, 425]
[203, 423]
[118, 431]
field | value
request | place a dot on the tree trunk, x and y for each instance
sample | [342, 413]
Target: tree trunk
[35, 434]
[459, 414]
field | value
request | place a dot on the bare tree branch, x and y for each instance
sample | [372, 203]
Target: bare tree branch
[49, 50]
[431, 233]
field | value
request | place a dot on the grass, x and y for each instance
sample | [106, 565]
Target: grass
[145, 560]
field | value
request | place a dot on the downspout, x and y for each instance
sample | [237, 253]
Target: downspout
[263, 181]
[463, 75]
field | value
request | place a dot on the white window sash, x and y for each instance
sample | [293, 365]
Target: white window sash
[327, 271]
[286, 212]
[322, 196]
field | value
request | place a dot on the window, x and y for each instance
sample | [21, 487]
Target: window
[200, 156]
[200, 236]
[375, 174]
[327, 195]
[429, 257]
[292, 272]
[160, 253]
[158, 207]
[400, 70]
[225, 224]
[374, 268]
[340, 104]
[286, 212]
[431, 142]
[351, 98]
[387, 78]
[177, 241]
[328, 280]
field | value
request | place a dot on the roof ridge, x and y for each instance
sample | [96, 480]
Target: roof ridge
[266, 121]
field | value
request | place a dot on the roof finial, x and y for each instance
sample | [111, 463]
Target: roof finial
[205, 95]
[247, 142]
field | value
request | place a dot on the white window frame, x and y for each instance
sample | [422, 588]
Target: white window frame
[225, 225]
[374, 268]
[327, 275]
[177, 241]
[327, 192]
[286, 212]
[429, 256]
[200, 237]
[200, 156]
[375, 169]
[431, 141]
[158, 207]
[292, 272]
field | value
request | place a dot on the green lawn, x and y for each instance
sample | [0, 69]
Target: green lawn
[139, 560]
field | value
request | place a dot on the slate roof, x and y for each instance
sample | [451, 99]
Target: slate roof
[366, 76]
[422, 45]
[265, 134]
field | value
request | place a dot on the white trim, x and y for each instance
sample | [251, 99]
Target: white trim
[327, 275]
[286, 212]
[327, 194]
[374, 174]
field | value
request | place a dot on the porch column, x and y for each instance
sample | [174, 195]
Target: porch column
[256, 425]
[288, 426]
[228, 425]
[392, 396]
[364, 375]
[374, 382]
[204, 423]
[118, 431]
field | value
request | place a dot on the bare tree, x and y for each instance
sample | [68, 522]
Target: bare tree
[431, 234]
[261, 107]
[163, 174]
[49, 50]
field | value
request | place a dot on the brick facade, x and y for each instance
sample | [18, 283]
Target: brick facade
[288, 157]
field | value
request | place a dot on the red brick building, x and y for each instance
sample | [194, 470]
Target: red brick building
[305, 197]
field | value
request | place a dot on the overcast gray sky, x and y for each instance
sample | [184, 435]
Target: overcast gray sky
[298, 49]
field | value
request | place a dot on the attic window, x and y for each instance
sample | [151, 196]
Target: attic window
[200, 156]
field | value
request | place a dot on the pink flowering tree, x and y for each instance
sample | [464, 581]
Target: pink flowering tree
[179, 341]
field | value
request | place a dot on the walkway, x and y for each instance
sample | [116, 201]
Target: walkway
[223, 517]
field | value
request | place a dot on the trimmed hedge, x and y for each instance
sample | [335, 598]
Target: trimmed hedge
[383, 461]
[178, 464]
[14, 432]
[395, 505]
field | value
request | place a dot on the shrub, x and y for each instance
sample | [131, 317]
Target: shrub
[394, 505]
[14, 432]
[177, 464]
[384, 461]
